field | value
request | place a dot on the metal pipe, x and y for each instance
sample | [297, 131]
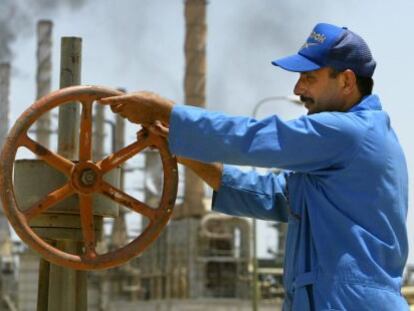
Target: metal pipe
[119, 234]
[5, 243]
[255, 285]
[231, 223]
[4, 100]
[69, 116]
[293, 99]
[99, 133]
[44, 77]
[67, 287]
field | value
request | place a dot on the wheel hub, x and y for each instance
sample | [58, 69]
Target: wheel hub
[86, 177]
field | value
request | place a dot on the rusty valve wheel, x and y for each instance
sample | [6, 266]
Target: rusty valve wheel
[84, 179]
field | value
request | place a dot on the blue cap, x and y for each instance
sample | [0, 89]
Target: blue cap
[333, 46]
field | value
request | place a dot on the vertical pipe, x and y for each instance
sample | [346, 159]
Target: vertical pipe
[194, 85]
[67, 287]
[4, 100]
[43, 76]
[69, 116]
[43, 285]
[4, 127]
[119, 235]
[99, 134]
[255, 278]
[281, 241]
[43, 83]
[5, 249]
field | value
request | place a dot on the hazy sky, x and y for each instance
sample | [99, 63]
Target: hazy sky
[138, 44]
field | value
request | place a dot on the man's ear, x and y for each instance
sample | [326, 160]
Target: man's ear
[349, 81]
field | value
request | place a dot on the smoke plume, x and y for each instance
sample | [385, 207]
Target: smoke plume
[17, 18]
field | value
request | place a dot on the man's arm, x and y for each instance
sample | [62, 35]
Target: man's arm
[237, 193]
[153, 111]
[209, 172]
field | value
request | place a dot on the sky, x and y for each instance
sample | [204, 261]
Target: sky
[138, 44]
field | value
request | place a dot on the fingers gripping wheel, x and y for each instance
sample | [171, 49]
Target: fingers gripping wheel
[84, 179]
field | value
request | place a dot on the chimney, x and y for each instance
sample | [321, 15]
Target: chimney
[4, 100]
[5, 248]
[43, 76]
[194, 84]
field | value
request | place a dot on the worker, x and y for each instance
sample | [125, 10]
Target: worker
[342, 188]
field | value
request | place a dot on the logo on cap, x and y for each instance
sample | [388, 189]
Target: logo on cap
[314, 36]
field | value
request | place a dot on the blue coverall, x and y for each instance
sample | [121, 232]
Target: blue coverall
[343, 192]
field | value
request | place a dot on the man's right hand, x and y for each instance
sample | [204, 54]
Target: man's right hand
[141, 107]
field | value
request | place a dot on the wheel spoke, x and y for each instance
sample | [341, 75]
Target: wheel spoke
[88, 226]
[122, 155]
[126, 200]
[48, 201]
[85, 139]
[53, 159]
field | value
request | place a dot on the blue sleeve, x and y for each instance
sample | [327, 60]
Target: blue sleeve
[253, 195]
[306, 144]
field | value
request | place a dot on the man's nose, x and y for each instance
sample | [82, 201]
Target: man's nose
[299, 88]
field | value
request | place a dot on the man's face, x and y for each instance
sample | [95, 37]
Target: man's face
[320, 91]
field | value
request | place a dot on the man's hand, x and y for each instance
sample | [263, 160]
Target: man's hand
[141, 107]
[158, 128]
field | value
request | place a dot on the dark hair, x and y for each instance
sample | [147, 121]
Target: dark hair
[364, 84]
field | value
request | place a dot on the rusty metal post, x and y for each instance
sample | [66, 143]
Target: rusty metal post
[194, 84]
[69, 115]
[44, 76]
[68, 288]
[43, 285]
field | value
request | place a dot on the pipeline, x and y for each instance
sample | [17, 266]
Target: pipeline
[230, 222]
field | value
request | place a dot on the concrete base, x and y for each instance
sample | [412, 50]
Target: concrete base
[62, 221]
[34, 179]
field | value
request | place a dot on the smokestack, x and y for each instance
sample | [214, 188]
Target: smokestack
[195, 52]
[4, 100]
[4, 127]
[194, 84]
[43, 76]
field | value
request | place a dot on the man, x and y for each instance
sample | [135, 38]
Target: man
[343, 188]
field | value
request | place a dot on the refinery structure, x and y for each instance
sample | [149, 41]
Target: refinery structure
[200, 261]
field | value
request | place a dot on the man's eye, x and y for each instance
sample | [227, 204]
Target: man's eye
[310, 78]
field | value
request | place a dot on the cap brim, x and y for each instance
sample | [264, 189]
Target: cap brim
[296, 63]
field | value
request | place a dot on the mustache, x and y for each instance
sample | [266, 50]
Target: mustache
[305, 99]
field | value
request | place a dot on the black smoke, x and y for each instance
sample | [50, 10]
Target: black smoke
[18, 19]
